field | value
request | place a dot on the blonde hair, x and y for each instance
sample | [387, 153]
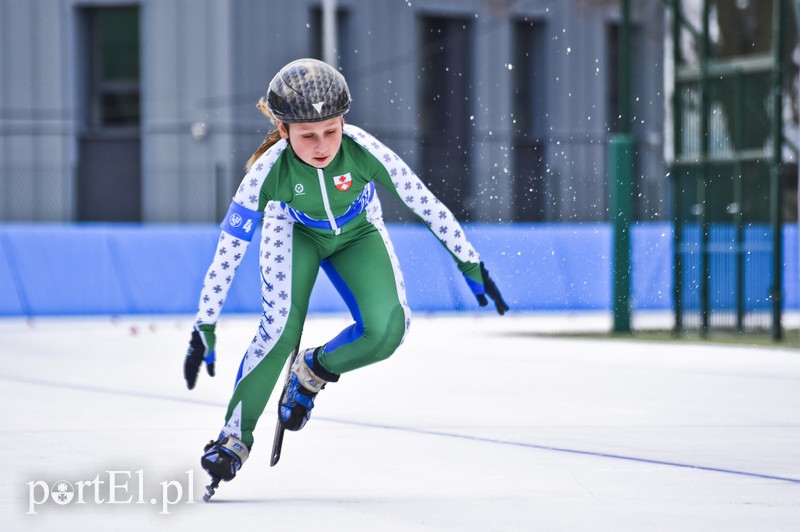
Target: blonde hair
[273, 136]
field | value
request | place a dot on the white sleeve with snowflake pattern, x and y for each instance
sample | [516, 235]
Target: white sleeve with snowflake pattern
[237, 231]
[417, 197]
[227, 257]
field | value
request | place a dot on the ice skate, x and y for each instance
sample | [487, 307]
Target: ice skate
[307, 379]
[221, 460]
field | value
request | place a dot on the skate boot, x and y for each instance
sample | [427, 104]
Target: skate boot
[224, 457]
[308, 378]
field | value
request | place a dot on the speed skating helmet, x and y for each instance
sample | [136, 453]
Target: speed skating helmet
[307, 90]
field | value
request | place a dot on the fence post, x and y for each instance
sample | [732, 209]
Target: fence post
[776, 170]
[620, 174]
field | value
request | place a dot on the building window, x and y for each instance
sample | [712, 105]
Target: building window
[445, 107]
[114, 88]
[343, 38]
[109, 177]
[529, 129]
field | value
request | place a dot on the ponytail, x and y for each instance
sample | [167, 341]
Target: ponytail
[273, 137]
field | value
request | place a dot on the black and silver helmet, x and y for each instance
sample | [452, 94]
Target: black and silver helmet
[307, 90]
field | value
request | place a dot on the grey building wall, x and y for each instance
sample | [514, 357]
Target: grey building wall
[35, 111]
[206, 62]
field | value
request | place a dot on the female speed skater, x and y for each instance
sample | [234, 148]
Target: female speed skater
[312, 181]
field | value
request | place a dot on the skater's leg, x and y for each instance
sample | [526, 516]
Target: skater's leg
[364, 272]
[368, 277]
[289, 266]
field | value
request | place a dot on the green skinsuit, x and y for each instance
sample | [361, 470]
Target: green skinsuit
[329, 218]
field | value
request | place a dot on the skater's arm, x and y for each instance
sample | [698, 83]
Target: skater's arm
[228, 255]
[399, 179]
[237, 232]
[237, 229]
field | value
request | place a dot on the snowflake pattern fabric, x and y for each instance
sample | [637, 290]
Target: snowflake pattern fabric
[417, 197]
[275, 261]
[227, 257]
[275, 265]
[278, 182]
[230, 250]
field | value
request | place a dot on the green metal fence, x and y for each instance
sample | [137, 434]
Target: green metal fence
[726, 174]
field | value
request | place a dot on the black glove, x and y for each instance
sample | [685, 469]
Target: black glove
[491, 290]
[201, 349]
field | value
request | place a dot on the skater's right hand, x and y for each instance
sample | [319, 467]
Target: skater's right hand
[201, 349]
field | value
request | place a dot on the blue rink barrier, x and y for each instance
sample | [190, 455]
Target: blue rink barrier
[53, 269]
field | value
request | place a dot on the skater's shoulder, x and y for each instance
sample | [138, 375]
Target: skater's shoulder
[356, 139]
[354, 132]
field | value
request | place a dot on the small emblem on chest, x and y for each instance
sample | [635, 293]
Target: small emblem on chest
[343, 182]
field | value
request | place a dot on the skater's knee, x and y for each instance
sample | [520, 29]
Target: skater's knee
[396, 327]
[391, 334]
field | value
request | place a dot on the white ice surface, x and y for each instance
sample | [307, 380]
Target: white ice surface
[473, 425]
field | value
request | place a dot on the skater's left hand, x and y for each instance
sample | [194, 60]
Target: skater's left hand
[490, 289]
[482, 285]
[201, 349]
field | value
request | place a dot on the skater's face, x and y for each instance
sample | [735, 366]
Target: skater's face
[316, 143]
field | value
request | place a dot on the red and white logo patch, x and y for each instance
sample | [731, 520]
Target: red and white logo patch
[343, 182]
